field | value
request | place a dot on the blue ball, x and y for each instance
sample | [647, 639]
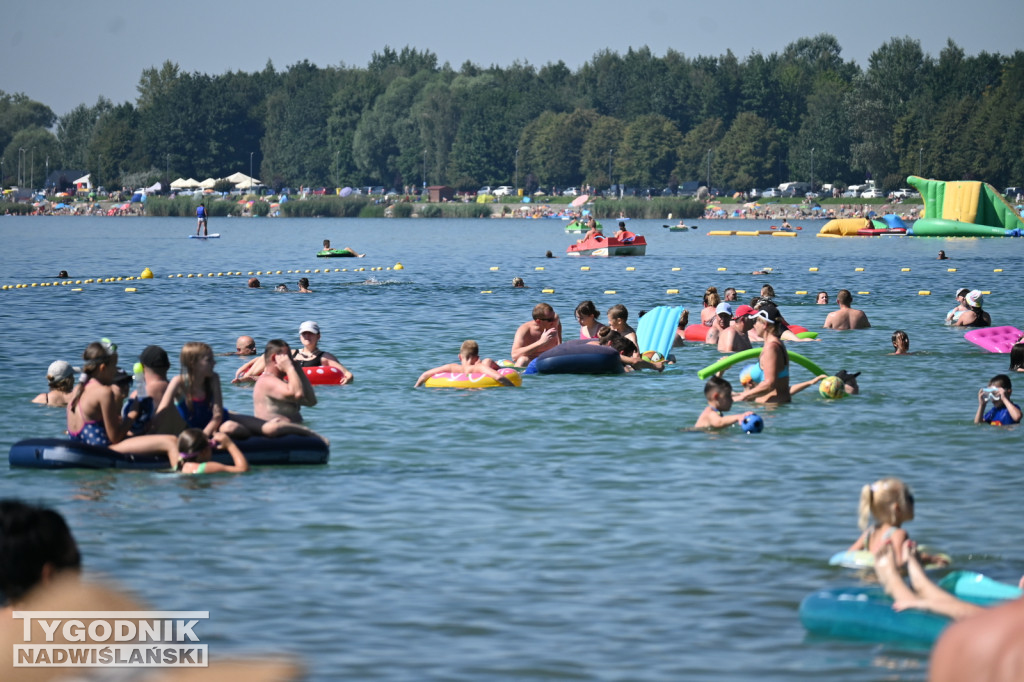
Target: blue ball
[752, 424]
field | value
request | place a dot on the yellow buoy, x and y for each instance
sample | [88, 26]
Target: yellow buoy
[630, 269]
[671, 291]
[487, 291]
[863, 293]
[812, 269]
[986, 293]
[146, 274]
[539, 267]
[950, 269]
[547, 291]
[676, 269]
[493, 268]
[858, 269]
[904, 269]
[609, 291]
[801, 293]
[998, 270]
[399, 266]
[924, 292]
[130, 289]
[585, 268]
[721, 269]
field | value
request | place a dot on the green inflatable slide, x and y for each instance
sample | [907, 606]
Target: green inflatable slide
[965, 208]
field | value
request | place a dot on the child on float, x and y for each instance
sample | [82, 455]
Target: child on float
[196, 395]
[889, 503]
[618, 318]
[469, 363]
[718, 393]
[195, 450]
[996, 397]
[94, 410]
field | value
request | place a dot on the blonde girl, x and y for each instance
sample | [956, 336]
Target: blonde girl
[711, 301]
[885, 506]
[195, 451]
[94, 410]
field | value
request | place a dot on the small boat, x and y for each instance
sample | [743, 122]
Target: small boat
[336, 253]
[599, 245]
[580, 228]
[61, 453]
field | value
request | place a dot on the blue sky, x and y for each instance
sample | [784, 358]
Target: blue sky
[65, 54]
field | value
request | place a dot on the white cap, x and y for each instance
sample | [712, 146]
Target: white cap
[309, 326]
[60, 370]
[724, 309]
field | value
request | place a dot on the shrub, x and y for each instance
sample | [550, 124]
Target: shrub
[401, 210]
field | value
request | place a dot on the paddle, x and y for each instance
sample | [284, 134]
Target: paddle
[692, 227]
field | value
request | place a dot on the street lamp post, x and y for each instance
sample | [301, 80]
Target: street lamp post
[812, 169]
[32, 172]
[610, 183]
[250, 172]
[424, 179]
[709, 171]
[21, 167]
[517, 171]
[46, 177]
[167, 171]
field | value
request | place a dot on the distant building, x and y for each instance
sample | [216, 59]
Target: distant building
[437, 193]
[61, 180]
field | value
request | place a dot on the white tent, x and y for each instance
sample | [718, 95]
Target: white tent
[192, 182]
[84, 182]
[156, 187]
[181, 183]
[208, 183]
[243, 181]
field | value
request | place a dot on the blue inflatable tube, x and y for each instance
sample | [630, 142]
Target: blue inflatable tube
[866, 613]
[577, 357]
[60, 453]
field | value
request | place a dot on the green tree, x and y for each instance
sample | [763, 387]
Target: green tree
[820, 151]
[75, 131]
[649, 151]
[38, 144]
[599, 154]
[747, 153]
[695, 148]
[18, 112]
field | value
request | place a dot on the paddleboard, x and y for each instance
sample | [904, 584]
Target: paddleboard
[656, 330]
[204, 236]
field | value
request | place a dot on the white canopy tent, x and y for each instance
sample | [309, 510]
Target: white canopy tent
[84, 182]
[243, 181]
[208, 183]
[182, 183]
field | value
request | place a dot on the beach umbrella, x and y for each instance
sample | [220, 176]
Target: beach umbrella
[580, 200]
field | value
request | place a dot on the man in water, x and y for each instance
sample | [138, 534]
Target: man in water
[846, 317]
[542, 333]
[734, 338]
[273, 397]
[245, 345]
[201, 219]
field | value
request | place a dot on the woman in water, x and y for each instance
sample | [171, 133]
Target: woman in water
[773, 363]
[309, 355]
[94, 411]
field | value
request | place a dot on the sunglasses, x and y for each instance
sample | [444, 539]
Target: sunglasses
[544, 319]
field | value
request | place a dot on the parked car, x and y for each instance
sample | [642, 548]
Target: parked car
[851, 193]
[754, 193]
[813, 195]
[1013, 192]
[770, 192]
[486, 189]
[789, 192]
[504, 191]
[871, 194]
[571, 192]
[904, 193]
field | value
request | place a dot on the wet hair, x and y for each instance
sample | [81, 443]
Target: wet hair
[618, 312]
[1017, 357]
[304, 282]
[64, 384]
[518, 282]
[844, 297]
[684, 319]
[877, 499]
[30, 538]
[716, 384]
[727, 290]
[900, 335]
[768, 291]
[711, 297]
[606, 334]
[819, 295]
[542, 310]
[470, 348]
[1002, 381]
[192, 442]
[95, 355]
[586, 308]
[327, 243]
[273, 347]
[190, 354]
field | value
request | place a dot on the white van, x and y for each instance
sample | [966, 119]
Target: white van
[797, 189]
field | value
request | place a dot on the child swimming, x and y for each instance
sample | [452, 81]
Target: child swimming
[195, 451]
[890, 503]
[718, 393]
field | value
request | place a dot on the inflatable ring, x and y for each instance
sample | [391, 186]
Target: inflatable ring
[731, 360]
[807, 335]
[463, 380]
[323, 374]
[696, 332]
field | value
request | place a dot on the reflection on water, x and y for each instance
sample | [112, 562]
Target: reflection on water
[571, 527]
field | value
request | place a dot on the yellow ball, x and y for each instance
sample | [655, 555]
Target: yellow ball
[831, 387]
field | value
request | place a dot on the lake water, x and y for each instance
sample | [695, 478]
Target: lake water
[569, 529]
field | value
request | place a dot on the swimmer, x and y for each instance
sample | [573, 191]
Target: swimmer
[961, 307]
[254, 283]
[245, 345]
[518, 283]
[822, 298]
[532, 338]
[942, 256]
[1002, 412]
[549, 255]
[889, 503]
[618, 318]
[281, 287]
[900, 343]
[304, 286]
[586, 315]
[469, 363]
[195, 450]
[63, 274]
[718, 393]
[61, 378]
[846, 317]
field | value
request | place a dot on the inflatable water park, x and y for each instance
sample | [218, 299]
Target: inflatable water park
[962, 208]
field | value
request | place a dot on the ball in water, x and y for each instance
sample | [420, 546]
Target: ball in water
[651, 356]
[831, 387]
[752, 423]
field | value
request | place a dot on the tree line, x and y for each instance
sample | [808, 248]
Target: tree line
[635, 119]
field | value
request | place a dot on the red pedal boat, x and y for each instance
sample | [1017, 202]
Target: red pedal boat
[630, 245]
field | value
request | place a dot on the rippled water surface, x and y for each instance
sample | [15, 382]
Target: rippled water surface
[570, 529]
